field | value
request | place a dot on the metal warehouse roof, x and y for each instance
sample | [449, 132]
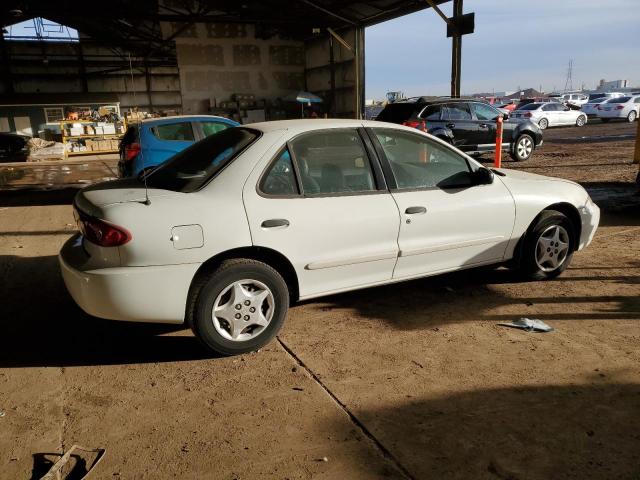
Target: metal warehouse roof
[127, 23]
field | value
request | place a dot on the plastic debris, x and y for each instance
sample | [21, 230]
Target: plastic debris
[529, 325]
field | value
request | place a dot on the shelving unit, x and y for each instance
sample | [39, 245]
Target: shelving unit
[86, 143]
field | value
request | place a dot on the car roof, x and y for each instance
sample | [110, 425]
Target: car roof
[321, 123]
[185, 118]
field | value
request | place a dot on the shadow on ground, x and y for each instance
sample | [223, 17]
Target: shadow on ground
[42, 326]
[556, 432]
[30, 198]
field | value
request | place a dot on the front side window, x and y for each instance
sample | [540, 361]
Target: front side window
[456, 111]
[333, 161]
[485, 112]
[190, 169]
[280, 179]
[418, 162]
[174, 131]
[210, 128]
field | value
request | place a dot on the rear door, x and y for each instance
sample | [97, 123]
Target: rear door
[457, 118]
[447, 221]
[321, 201]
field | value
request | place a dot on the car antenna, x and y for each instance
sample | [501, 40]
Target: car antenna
[135, 106]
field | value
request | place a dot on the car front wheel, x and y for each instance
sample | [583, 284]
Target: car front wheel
[523, 148]
[548, 248]
[239, 307]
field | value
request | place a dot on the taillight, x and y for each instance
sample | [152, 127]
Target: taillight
[528, 115]
[131, 150]
[101, 232]
[422, 125]
[619, 107]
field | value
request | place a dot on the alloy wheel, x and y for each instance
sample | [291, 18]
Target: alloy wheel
[552, 248]
[524, 147]
[243, 310]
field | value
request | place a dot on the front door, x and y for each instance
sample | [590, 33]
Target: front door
[323, 204]
[485, 117]
[447, 221]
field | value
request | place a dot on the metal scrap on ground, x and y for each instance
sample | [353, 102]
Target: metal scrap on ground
[529, 324]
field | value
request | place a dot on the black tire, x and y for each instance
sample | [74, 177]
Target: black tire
[605, 120]
[581, 121]
[529, 267]
[543, 123]
[632, 116]
[205, 293]
[519, 152]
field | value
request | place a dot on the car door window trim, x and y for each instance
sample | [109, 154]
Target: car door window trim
[267, 171]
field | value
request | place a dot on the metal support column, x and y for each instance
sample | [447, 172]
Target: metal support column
[332, 66]
[456, 52]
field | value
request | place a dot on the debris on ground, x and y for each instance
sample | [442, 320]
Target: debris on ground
[40, 150]
[77, 462]
[529, 325]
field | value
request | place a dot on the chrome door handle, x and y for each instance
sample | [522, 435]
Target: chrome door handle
[451, 125]
[484, 125]
[415, 210]
[275, 222]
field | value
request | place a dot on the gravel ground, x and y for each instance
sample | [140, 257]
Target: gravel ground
[413, 380]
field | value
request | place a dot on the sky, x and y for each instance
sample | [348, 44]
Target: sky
[517, 43]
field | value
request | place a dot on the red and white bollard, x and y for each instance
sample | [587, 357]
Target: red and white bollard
[498, 159]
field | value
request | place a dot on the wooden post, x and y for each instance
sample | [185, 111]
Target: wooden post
[498, 158]
[456, 52]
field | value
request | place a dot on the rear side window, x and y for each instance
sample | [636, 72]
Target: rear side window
[456, 111]
[432, 112]
[193, 167]
[397, 112]
[333, 161]
[174, 131]
[210, 128]
[280, 179]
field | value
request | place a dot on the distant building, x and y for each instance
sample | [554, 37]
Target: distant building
[605, 86]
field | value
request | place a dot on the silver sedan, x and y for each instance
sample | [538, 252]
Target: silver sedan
[551, 115]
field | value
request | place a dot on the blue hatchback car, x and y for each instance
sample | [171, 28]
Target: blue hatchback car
[149, 143]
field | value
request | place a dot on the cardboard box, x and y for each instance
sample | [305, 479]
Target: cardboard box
[109, 129]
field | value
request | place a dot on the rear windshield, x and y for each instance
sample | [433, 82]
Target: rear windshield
[192, 168]
[593, 96]
[397, 112]
[619, 100]
[530, 106]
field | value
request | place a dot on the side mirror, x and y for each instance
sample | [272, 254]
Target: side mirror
[483, 176]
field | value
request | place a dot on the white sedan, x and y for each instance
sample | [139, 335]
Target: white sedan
[551, 114]
[627, 107]
[231, 230]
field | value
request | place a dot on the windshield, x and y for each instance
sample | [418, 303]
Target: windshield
[192, 168]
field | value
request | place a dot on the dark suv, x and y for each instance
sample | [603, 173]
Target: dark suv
[468, 124]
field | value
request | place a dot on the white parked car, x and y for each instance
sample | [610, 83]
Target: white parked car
[591, 107]
[621, 107]
[575, 99]
[234, 228]
[551, 114]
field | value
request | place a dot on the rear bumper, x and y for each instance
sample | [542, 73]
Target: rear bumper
[612, 114]
[155, 294]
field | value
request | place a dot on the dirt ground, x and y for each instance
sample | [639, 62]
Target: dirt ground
[414, 380]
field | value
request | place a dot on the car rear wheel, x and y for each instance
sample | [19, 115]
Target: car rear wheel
[523, 148]
[543, 123]
[548, 248]
[581, 120]
[632, 116]
[239, 307]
